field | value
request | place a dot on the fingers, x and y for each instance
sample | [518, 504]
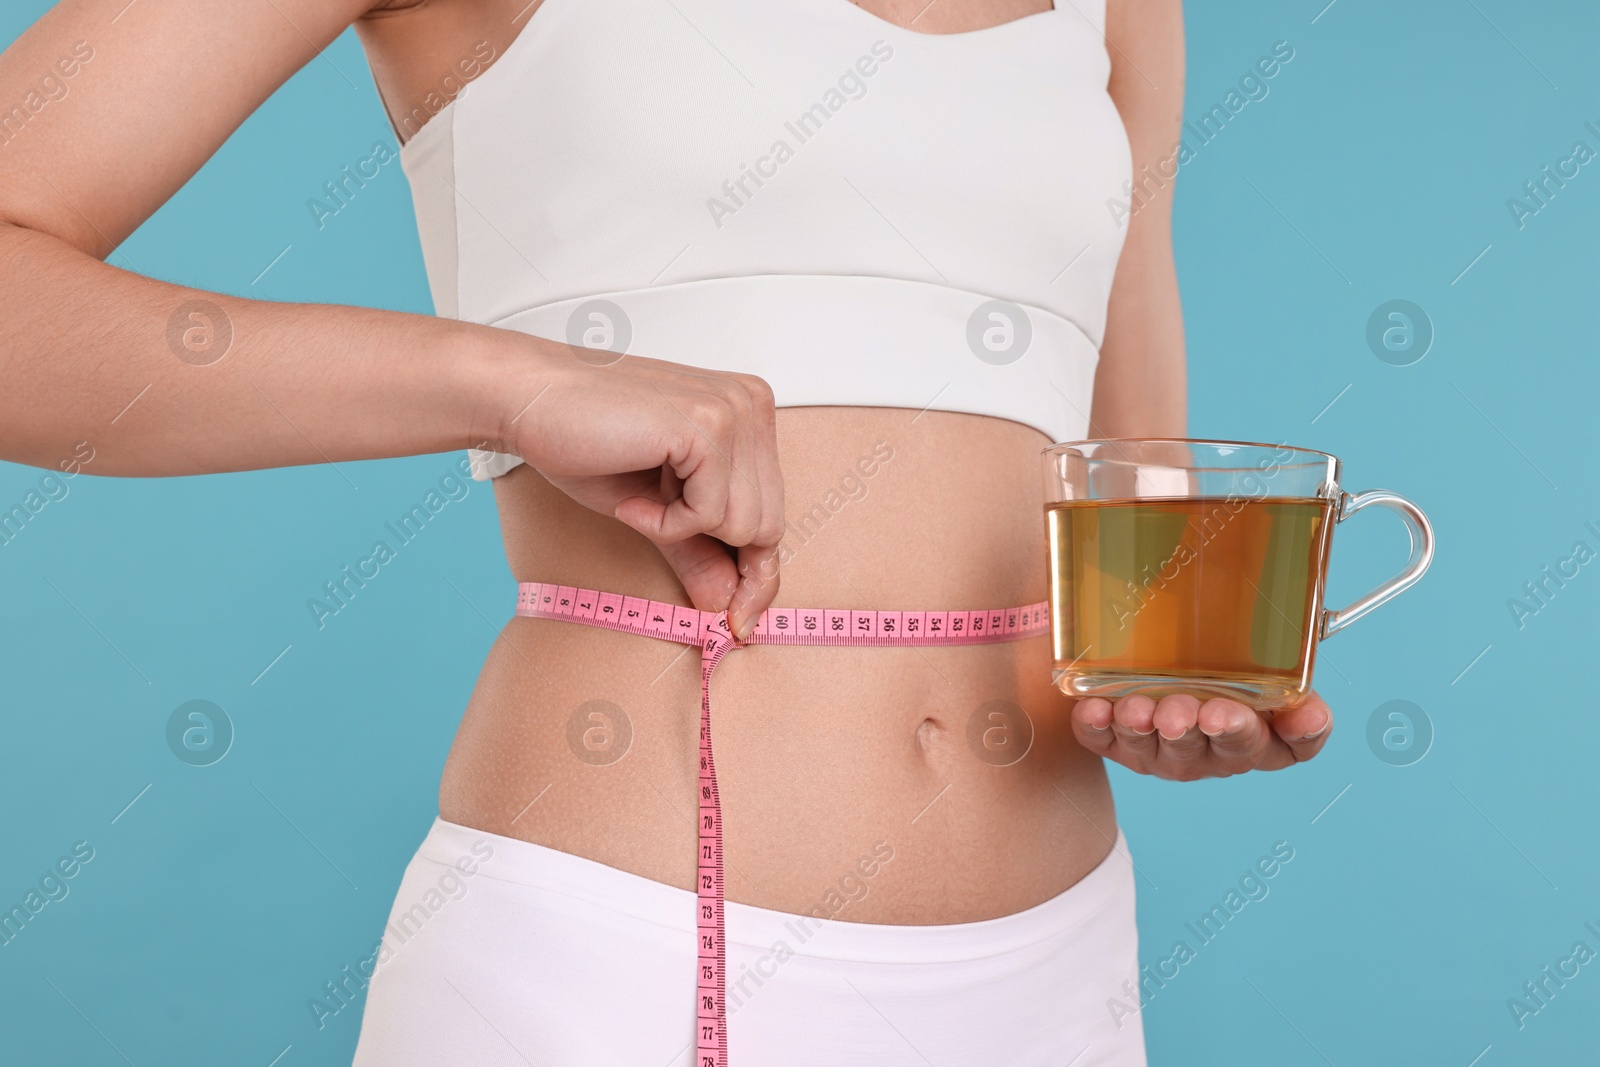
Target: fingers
[758, 556]
[666, 516]
[770, 524]
[1182, 738]
[758, 587]
[752, 500]
[703, 488]
[727, 460]
[705, 569]
[710, 496]
[721, 481]
[1133, 726]
[665, 524]
[1183, 746]
[1304, 729]
[1235, 731]
[1091, 724]
[733, 479]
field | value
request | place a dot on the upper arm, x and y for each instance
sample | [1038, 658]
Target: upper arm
[107, 107]
[1145, 39]
[1141, 383]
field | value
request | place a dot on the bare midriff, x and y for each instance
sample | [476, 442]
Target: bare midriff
[828, 759]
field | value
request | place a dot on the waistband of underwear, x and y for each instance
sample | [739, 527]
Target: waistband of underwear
[606, 889]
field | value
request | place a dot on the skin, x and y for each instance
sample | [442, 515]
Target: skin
[639, 477]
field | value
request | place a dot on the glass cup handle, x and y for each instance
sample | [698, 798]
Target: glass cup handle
[1421, 554]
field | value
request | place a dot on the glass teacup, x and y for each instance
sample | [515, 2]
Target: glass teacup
[1198, 566]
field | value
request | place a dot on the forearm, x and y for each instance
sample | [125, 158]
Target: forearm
[90, 353]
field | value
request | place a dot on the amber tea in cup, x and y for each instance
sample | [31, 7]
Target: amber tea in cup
[1199, 566]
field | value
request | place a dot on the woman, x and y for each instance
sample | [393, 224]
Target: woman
[914, 222]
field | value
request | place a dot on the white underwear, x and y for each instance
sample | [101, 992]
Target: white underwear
[501, 952]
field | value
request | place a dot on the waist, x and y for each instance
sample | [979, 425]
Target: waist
[582, 738]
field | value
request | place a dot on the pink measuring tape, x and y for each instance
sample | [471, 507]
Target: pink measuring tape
[777, 626]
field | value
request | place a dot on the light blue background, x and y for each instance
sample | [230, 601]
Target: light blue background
[1378, 168]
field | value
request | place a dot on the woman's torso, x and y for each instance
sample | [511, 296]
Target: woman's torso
[826, 756]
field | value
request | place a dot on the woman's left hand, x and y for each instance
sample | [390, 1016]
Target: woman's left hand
[1183, 738]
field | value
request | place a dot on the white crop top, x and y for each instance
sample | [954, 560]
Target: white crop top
[857, 213]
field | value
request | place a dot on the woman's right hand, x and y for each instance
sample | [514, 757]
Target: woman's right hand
[687, 457]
